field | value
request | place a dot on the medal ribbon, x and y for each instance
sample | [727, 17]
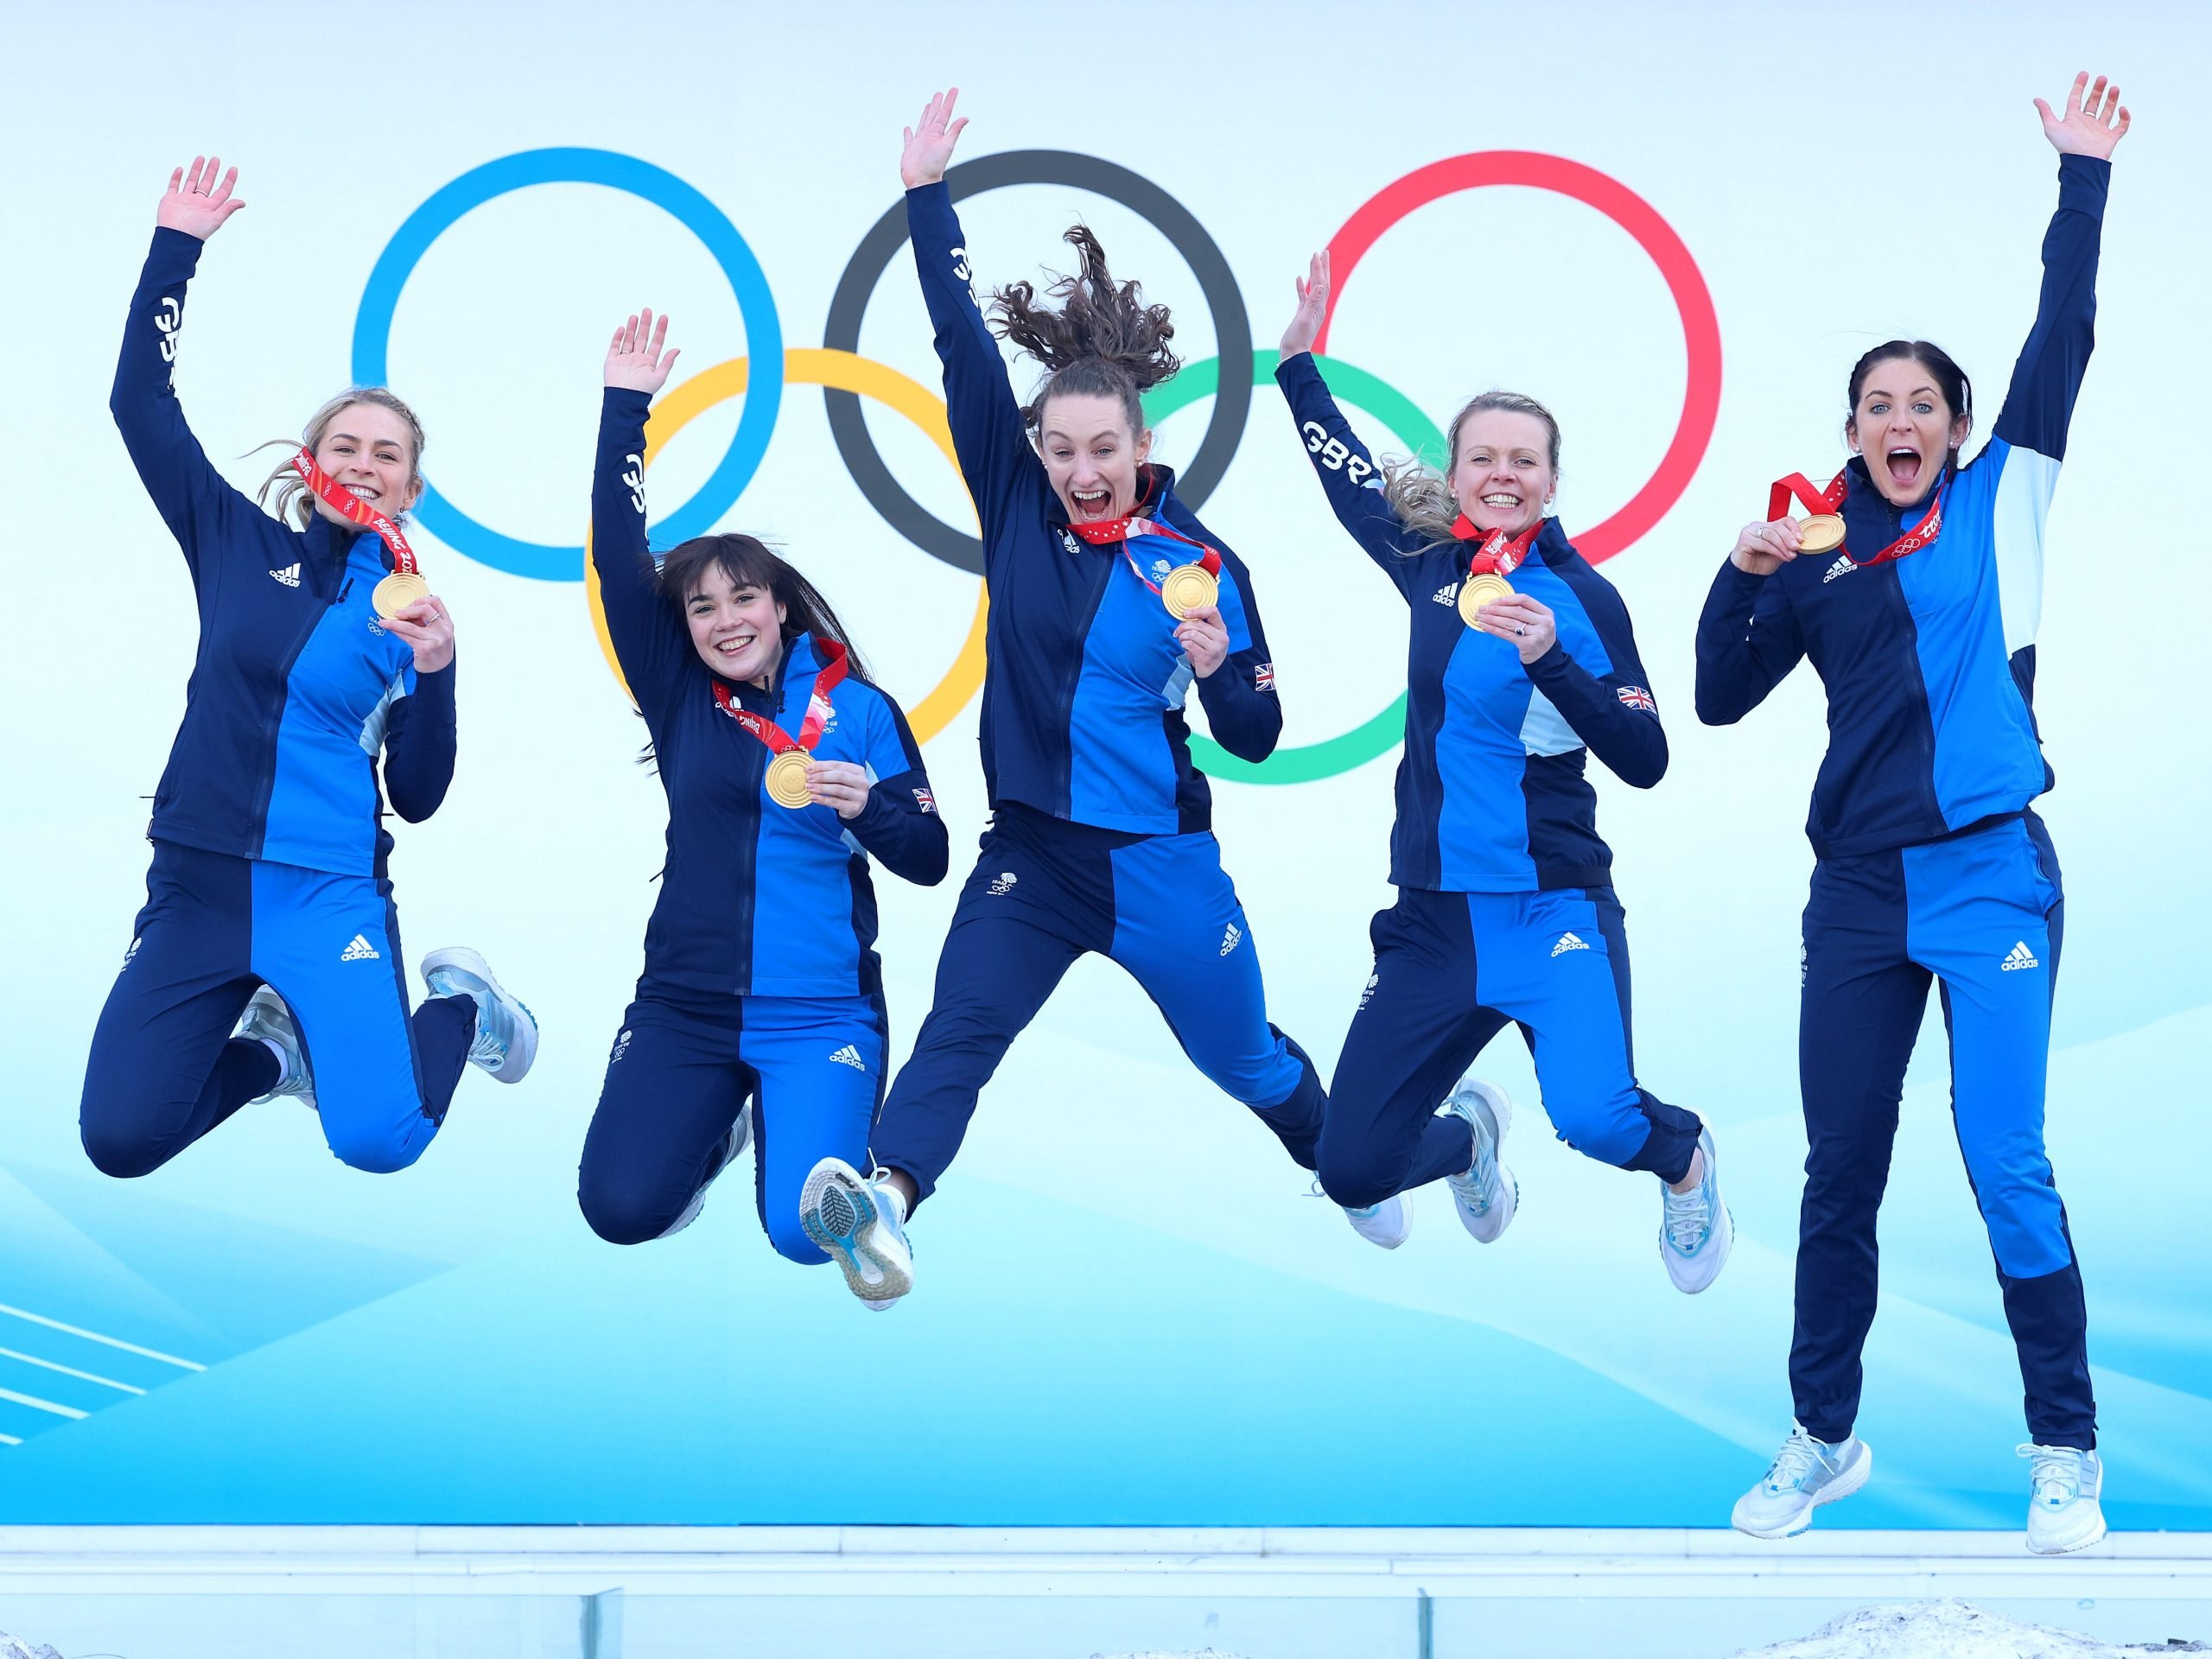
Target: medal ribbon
[833, 671]
[1831, 500]
[1496, 553]
[352, 508]
[1111, 529]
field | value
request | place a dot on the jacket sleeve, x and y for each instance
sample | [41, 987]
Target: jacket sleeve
[1747, 642]
[1613, 713]
[899, 827]
[648, 632]
[2039, 403]
[1348, 474]
[419, 745]
[190, 496]
[988, 433]
[1239, 697]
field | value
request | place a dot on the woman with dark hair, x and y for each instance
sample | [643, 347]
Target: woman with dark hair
[1520, 666]
[785, 768]
[266, 962]
[1915, 590]
[1108, 600]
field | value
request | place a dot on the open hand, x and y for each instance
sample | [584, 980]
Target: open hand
[635, 361]
[426, 625]
[1523, 623]
[838, 784]
[1312, 308]
[195, 204]
[930, 141]
[2093, 124]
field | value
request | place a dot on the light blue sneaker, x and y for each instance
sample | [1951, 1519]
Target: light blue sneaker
[861, 1226]
[1389, 1224]
[266, 1020]
[506, 1033]
[2065, 1485]
[1487, 1195]
[1805, 1474]
[734, 1146]
[1695, 1230]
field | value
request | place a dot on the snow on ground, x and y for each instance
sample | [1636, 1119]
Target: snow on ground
[1948, 1630]
[11, 1648]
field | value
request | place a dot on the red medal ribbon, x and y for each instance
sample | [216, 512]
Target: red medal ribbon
[833, 671]
[1498, 553]
[1113, 530]
[1831, 500]
[351, 507]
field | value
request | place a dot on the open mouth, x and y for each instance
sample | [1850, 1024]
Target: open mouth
[1502, 502]
[1904, 466]
[366, 492]
[737, 646]
[1091, 503]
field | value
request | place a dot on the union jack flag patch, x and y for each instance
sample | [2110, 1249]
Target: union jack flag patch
[1636, 697]
[926, 801]
[1263, 677]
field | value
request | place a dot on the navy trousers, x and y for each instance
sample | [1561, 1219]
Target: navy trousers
[1983, 915]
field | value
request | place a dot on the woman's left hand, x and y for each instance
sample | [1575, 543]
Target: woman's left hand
[425, 625]
[2093, 124]
[838, 784]
[1522, 622]
[1204, 639]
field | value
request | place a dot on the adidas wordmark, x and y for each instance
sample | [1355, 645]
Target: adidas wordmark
[1842, 567]
[289, 575]
[849, 1056]
[1567, 942]
[359, 950]
[2020, 957]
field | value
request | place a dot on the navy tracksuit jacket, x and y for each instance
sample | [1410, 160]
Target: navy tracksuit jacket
[268, 854]
[760, 975]
[1505, 910]
[1931, 862]
[1102, 838]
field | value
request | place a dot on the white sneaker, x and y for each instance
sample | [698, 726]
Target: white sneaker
[741, 1136]
[861, 1223]
[266, 1020]
[1805, 1474]
[506, 1031]
[2063, 1486]
[1487, 1195]
[1389, 1224]
[1695, 1230]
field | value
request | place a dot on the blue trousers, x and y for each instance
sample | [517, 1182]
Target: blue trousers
[215, 929]
[1450, 970]
[1983, 915]
[1044, 894]
[679, 1073]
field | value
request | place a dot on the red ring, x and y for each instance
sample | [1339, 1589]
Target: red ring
[1700, 325]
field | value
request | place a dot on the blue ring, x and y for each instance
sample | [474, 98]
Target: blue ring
[764, 338]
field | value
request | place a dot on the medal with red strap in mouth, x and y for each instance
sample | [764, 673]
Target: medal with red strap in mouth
[406, 584]
[1187, 588]
[1498, 557]
[1823, 531]
[786, 777]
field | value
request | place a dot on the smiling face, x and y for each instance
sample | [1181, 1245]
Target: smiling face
[1091, 454]
[1904, 428]
[736, 628]
[369, 450]
[1503, 477]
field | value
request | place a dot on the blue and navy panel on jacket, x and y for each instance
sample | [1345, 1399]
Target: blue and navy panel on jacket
[297, 688]
[1084, 698]
[756, 899]
[1929, 660]
[1491, 792]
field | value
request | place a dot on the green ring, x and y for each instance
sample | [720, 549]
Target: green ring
[1311, 761]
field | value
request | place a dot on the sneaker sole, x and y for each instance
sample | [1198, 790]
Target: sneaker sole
[839, 1213]
[1405, 1230]
[1837, 1490]
[522, 1052]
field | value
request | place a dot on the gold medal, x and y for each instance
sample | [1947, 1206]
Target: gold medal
[396, 592]
[1822, 532]
[1189, 587]
[787, 780]
[1478, 591]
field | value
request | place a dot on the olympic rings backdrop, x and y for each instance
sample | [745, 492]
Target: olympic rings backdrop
[1128, 1309]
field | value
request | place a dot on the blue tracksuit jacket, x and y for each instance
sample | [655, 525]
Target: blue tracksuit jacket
[297, 687]
[756, 900]
[1492, 795]
[1083, 702]
[1929, 660]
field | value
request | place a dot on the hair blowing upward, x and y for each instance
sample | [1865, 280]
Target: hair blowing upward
[1102, 338]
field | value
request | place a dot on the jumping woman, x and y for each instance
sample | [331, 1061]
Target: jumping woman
[267, 961]
[1915, 589]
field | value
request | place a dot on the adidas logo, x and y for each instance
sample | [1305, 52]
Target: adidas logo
[2020, 957]
[289, 575]
[849, 1056]
[1231, 939]
[1567, 942]
[1447, 594]
[1842, 567]
[359, 950]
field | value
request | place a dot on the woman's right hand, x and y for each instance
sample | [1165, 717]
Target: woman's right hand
[1313, 307]
[195, 204]
[1766, 547]
[635, 361]
[929, 142]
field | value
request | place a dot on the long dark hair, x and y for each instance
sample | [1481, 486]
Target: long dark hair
[1950, 379]
[1100, 339]
[747, 561]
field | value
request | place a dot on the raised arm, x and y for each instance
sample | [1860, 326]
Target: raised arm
[186, 489]
[988, 433]
[650, 638]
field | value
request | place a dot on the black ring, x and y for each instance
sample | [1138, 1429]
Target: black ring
[848, 305]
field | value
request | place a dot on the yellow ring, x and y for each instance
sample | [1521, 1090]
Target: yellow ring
[839, 371]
